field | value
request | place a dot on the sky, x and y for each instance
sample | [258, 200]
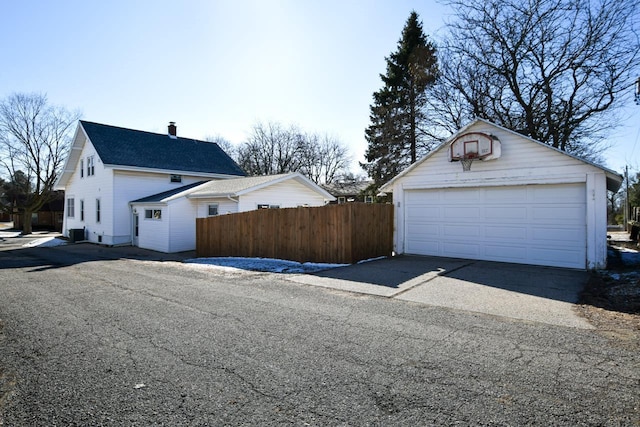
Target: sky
[218, 67]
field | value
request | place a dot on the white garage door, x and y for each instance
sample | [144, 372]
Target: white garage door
[531, 224]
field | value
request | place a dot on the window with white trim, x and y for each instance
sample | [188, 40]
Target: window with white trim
[212, 209]
[155, 214]
[81, 209]
[368, 199]
[71, 210]
[267, 206]
[90, 166]
[342, 199]
[176, 178]
[97, 210]
[81, 168]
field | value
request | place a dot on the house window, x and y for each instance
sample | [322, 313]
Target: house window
[213, 209]
[153, 214]
[267, 206]
[81, 168]
[342, 199]
[176, 178]
[90, 166]
[97, 210]
[70, 208]
[81, 210]
[368, 199]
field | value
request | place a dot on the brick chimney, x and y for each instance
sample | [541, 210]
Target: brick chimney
[173, 130]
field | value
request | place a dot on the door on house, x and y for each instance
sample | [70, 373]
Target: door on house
[136, 223]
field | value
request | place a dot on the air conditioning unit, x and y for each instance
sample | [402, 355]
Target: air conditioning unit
[76, 235]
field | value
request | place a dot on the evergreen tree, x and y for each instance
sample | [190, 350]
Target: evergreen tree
[395, 135]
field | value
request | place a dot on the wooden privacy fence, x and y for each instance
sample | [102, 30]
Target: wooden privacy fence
[342, 233]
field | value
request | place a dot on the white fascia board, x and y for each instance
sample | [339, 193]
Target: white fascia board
[132, 204]
[184, 193]
[72, 158]
[211, 196]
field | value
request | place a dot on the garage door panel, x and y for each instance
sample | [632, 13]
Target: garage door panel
[508, 253]
[557, 257]
[424, 247]
[559, 236]
[422, 197]
[455, 213]
[565, 214]
[428, 231]
[503, 233]
[457, 231]
[535, 224]
[460, 250]
[506, 195]
[419, 214]
[461, 196]
[567, 193]
[495, 213]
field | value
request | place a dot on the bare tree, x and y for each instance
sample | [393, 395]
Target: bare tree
[554, 70]
[34, 141]
[325, 159]
[272, 149]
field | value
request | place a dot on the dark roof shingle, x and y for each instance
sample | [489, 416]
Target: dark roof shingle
[128, 147]
[155, 198]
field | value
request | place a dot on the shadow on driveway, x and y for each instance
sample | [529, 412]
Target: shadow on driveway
[405, 272]
[46, 258]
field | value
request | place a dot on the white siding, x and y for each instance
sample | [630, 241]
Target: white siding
[153, 233]
[225, 206]
[182, 228]
[522, 162]
[89, 188]
[129, 186]
[287, 194]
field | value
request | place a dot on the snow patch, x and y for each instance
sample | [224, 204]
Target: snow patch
[45, 242]
[262, 264]
[9, 234]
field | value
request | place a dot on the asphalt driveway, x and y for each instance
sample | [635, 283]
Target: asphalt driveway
[524, 292]
[123, 337]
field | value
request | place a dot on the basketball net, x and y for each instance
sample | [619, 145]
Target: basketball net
[466, 163]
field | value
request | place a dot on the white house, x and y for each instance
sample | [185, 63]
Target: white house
[167, 220]
[521, 201]
[109, 166]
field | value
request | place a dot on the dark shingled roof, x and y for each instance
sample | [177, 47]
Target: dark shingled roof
[161, 196]
[128, 147]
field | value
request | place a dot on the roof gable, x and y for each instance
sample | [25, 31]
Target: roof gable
[239, 186]
[613, 179]
[118, 146]
[166, 195]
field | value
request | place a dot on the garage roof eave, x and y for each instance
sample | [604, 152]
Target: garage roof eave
[614, 181]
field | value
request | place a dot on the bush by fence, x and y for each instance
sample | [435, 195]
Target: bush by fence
[342, 233]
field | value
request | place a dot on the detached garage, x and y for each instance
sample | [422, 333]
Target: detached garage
[489, 193]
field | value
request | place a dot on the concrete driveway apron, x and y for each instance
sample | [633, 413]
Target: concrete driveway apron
[523, 292]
